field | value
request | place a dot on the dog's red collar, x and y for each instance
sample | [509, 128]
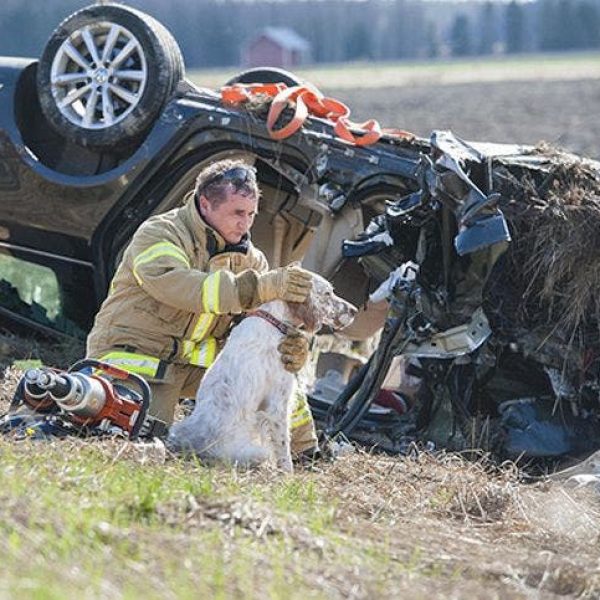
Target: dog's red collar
[280, 325]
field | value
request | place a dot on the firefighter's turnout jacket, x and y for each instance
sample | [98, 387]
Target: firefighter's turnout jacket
[173, 295]
[171, 303]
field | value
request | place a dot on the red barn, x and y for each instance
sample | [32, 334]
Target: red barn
[276, 47]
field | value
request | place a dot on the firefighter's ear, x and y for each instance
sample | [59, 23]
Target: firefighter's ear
[204, 205]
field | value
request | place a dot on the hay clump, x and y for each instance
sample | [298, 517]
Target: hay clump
[552, 267]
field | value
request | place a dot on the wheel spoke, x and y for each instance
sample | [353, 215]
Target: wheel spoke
[90, 108]
[75, 56]
[124, 54]
[98, 75]
[111, 40]
[131, 75]
[123, 93]
[67, 78]
[88, 39]
[107, 108]
[74, 95]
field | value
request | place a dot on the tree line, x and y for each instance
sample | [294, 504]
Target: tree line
[213, 32]
[545, 25]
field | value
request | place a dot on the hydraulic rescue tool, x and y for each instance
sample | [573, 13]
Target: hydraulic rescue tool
[90, 398]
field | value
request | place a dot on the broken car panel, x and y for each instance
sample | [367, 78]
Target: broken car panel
[498, 371]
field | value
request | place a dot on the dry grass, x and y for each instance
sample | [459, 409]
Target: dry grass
[363, 526]
[8, 384]
[20, 348]
[554, 259]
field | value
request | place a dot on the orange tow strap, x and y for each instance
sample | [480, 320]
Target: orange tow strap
[307, 99]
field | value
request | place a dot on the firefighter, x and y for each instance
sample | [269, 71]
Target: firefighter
[182, 278]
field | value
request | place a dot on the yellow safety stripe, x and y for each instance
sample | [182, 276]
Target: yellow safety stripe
[200, 354]
[301, 414]
[300, 418]
[299, 423]
[159, 248]
[202, 326]
[210, 293]
[156, 251]
[142, 364]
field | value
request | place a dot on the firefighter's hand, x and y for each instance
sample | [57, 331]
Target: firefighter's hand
[292, 284]
[293, 350]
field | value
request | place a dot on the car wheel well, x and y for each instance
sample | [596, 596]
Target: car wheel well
[265, 75]
[279, 196]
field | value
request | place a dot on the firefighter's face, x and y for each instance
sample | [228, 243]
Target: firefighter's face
[233, 217]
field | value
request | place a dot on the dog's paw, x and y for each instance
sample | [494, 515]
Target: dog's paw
[285, 465]
[250, 456]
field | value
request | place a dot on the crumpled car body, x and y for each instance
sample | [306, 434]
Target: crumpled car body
[491, 306]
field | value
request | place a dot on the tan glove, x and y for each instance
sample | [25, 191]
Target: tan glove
[292, 284]
[293, 349]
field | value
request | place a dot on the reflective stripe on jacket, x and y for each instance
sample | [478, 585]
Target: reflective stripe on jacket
[131, 362]
[174, 293]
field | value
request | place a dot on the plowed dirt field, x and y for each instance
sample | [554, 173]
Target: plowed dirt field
[563, 113]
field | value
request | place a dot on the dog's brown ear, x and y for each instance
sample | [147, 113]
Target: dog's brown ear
[311, 322]
[303, 313]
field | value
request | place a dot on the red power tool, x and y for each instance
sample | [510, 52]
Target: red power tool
[90, 396]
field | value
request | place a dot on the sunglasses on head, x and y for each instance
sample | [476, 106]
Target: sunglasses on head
[238, 176]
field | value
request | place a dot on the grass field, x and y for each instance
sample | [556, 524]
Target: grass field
[361, 75]
[105, 520]
[110, 519]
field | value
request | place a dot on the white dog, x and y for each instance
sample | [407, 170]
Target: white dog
[245, 398]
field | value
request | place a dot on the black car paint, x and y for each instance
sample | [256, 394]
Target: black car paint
[86, 220]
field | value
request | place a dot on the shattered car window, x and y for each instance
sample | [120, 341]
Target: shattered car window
[34, 293]
[30, 284]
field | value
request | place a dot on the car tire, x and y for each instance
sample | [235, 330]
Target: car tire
[106, 73]
[266, 75]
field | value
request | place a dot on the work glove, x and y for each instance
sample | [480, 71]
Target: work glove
[292, 284]
[293, 349]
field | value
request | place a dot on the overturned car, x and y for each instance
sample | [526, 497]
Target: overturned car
[104, 131]
[485, 252]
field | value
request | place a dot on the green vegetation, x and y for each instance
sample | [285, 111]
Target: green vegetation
[111, 519]
[74, 518]
[79, 517]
